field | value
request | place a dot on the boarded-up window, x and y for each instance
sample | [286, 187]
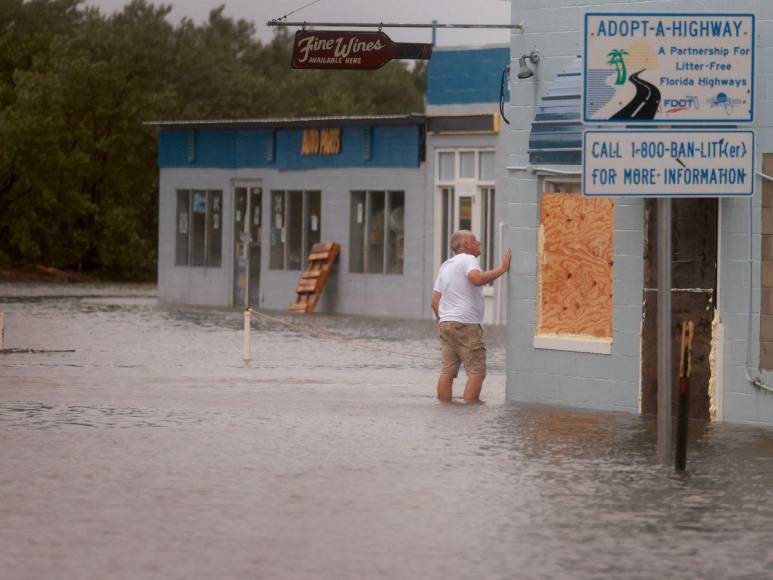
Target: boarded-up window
[577, 241]
[321, 142]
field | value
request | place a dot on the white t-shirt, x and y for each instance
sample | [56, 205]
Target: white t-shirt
[461, 300]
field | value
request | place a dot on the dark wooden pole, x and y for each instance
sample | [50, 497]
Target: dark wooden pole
[665, 442]
[685, 369]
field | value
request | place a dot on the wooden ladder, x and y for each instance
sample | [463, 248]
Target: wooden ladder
[321, 259]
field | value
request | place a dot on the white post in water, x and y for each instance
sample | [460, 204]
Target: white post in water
[247, 344]
[2, 330]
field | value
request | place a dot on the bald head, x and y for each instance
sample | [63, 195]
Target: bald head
[462, 241]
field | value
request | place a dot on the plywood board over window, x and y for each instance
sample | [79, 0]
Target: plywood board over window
[576, 261]
[321, 142]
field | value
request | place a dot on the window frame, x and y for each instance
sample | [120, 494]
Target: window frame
[305, 224]
[389, 195]
[213, 221]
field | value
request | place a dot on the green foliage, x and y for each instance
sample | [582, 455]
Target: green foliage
[78, 176]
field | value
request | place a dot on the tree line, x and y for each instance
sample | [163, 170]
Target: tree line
[78, 169]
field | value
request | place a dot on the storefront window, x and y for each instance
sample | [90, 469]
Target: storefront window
[199, 228]
[377, 232]
[357, 233]
[277, 258]
[294, 229]
[395, 233]
[183, 227]
[296, 225]
[375, 251]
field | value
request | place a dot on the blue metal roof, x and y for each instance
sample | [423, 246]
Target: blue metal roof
[556, 132]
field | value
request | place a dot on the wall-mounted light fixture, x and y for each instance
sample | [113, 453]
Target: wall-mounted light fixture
[524, 71]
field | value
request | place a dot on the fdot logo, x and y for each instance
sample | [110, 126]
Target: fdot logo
[684, 104]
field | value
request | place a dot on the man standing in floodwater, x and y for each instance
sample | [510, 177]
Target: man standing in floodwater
[457, 300]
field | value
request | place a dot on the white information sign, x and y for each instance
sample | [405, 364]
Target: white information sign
[670, 163]
[668, 68]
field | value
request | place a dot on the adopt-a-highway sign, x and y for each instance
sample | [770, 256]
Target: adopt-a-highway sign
[668, 68]
[668, 163]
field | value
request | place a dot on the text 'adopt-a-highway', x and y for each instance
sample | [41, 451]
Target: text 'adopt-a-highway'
[668, 70]
[672, 68]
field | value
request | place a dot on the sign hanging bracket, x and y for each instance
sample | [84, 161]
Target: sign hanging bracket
[381, 25]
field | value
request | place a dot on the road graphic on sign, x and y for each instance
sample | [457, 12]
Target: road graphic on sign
[645, 103]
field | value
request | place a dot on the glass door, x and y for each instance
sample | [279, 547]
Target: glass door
[466, 208]
[247, 245]
[240, 246]
[254, 240]
[465, 186]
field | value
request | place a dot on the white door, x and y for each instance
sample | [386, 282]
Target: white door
[465, 200]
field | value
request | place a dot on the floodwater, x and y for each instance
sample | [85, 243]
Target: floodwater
[152, 452]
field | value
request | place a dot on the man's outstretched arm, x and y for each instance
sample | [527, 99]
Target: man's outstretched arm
[481, 278]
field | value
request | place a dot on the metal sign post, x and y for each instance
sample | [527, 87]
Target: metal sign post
[664, 331]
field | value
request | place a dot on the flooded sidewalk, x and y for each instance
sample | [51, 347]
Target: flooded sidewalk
[152, 452]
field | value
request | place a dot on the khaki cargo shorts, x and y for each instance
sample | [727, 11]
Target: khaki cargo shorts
[462, 344]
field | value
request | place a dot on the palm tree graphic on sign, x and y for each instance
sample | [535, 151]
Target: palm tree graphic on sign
[617, 58]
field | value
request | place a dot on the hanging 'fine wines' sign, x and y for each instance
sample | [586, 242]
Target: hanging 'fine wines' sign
[328, 49]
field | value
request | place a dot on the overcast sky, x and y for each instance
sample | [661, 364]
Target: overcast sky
[400, 11]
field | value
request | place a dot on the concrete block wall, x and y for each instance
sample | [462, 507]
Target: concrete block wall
[554, 28]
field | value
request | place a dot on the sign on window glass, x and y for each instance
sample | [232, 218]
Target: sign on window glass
[199, 202]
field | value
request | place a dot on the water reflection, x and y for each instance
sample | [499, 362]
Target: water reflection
[151, 452]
